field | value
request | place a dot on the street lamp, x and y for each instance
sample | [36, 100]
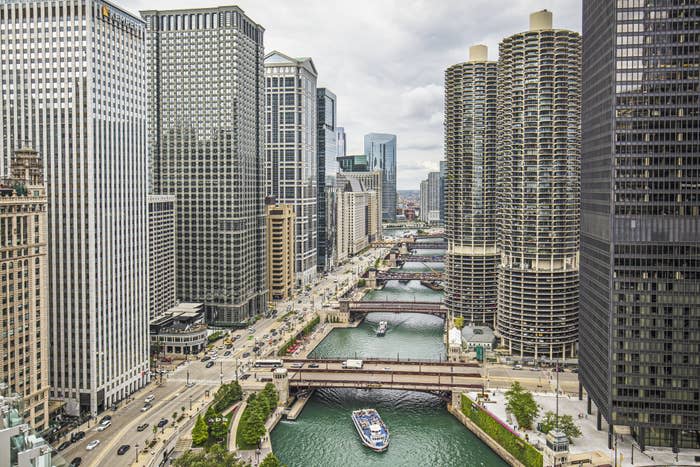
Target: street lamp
[136, 447]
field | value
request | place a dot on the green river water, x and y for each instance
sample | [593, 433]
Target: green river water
[423, 433]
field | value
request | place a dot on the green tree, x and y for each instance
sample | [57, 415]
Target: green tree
[272, 395]
[566, 425]
[522, 405]
[200, 432]
[155, 431]
[215, 456]
[210, 414]
[219, 429]
[254, 429]
[459, 322]
[271, 461]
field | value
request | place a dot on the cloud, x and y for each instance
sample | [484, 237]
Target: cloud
[385, 59]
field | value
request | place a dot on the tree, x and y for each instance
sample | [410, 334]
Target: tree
[271, 461]
[200, 432]
[219, 429]
[215, 456]
[459, 322]
[155, 431]
[254, 429]
[566, 425]
[522, 405]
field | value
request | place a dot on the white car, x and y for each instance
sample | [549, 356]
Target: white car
[92, 444]
[150, 398]
[104, 425]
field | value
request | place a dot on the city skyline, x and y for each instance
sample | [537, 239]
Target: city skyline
[366, 78]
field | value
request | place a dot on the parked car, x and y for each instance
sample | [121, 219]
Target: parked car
[146, 406]
[246, 354]
[122, 449]
[92, 444]
[205, 359]
[142, 427]
[227, 353]
[574, 370]
[245, 376]
[518, 367]
[76, 462]
[209, 364]
[77, 436]
[105, 418]
[162, 422]
[104, 426]
[313, 365]
[64, 445]
[150, 398]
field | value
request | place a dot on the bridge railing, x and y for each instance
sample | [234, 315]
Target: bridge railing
[422, 361]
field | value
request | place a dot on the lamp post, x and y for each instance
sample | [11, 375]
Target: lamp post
[221, 373]
[136, 447]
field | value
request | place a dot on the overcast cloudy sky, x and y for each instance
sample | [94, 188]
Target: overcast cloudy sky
[385, 59]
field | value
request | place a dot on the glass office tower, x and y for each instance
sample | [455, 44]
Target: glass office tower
[380, 150]
[327, 166]
[640, 226]
[206, 97]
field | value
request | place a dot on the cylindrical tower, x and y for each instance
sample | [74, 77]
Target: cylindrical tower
[539, 115]
[281, 382]
[470, 188]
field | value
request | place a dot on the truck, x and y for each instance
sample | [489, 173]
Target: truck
[354, 364]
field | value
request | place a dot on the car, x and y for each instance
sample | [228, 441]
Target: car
[518, 367]
[104, 426]
[122, 449]
[105, 418]
[76, 462]
[142, 427]
[246, 354]
[574, 370]
[251, 330]
[209, 364]
[77, 436]
[386, 368]
[297, 365]
[64, 445]
[227, 353]
[256, 348]
[245, 376]
[313, 365]
[162, 422]
[190, 384]
[146, 406]
[150, 398]
[205, 359]
[92, 444]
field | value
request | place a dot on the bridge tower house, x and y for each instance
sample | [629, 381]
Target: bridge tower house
[281, 381]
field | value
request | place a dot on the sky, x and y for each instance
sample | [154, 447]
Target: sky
[385, 59]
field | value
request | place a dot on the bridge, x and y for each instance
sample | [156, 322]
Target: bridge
[363, 307]
[420, 258]
[426, 245]
[413, 375]
[409, 276]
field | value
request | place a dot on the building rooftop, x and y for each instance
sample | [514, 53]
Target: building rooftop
[478, 334]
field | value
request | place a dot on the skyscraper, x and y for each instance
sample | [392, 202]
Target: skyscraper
[470, 188]
[380, 150]
[640, 225]
[441, 189]
[291, 115]
[24, 292]
[205, 103]
[280, 250]
[80, 102]
[161, 255]
[538, 145]
[327, 166]
[341, 138]
[371, 181]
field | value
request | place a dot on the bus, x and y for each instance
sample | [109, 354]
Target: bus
[268, 364]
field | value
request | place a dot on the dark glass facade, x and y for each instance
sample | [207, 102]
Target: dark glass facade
[640, 226]
[327, 148]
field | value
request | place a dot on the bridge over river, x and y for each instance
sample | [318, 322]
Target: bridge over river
[412, 375]
[367, 306]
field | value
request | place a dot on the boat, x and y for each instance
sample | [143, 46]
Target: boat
[372, 430]
[434, 285]
[382, 328]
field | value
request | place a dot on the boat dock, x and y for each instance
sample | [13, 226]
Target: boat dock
[297, 407]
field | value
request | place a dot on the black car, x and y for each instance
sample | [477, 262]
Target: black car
[245, 376]
[105, 418]
[209, 364]
[246, 354]
[256, 349]
[76, 462]
[313, 365]
[142, 427]
[205, 359]
[122, 449]
[64, 445]
[227, 353]
[162, 422]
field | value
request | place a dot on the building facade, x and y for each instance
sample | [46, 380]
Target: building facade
[371, 181]
[291, 152]
[327, 166]
[471, 263]
[538, 145]
[161, 254]
[84, 112]
[179, 331]
[424, 199]
[281, 223]
[430, 198]
[353, 163]
[380, 149]
[441, 203]
[341, 139]
[357, 219]
[24, 278]
[20, 445]
[640, 225]
[205, 104]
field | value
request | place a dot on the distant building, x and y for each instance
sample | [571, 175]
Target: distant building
[380, 150]
[341, 139]
[423, 214]
[280, 222]
[24, 278]
[327, 167]
[291, 150]
[371, 181]
[441, 191]
[353, 163]
[161, 254]
[180, 331]
[19, 445]
[357, 218]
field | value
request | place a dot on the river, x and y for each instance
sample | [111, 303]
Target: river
[423, 433]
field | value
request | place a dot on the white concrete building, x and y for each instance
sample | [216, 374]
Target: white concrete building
[161, 254]
[290, 149]
[356, 217]
[74, 80]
